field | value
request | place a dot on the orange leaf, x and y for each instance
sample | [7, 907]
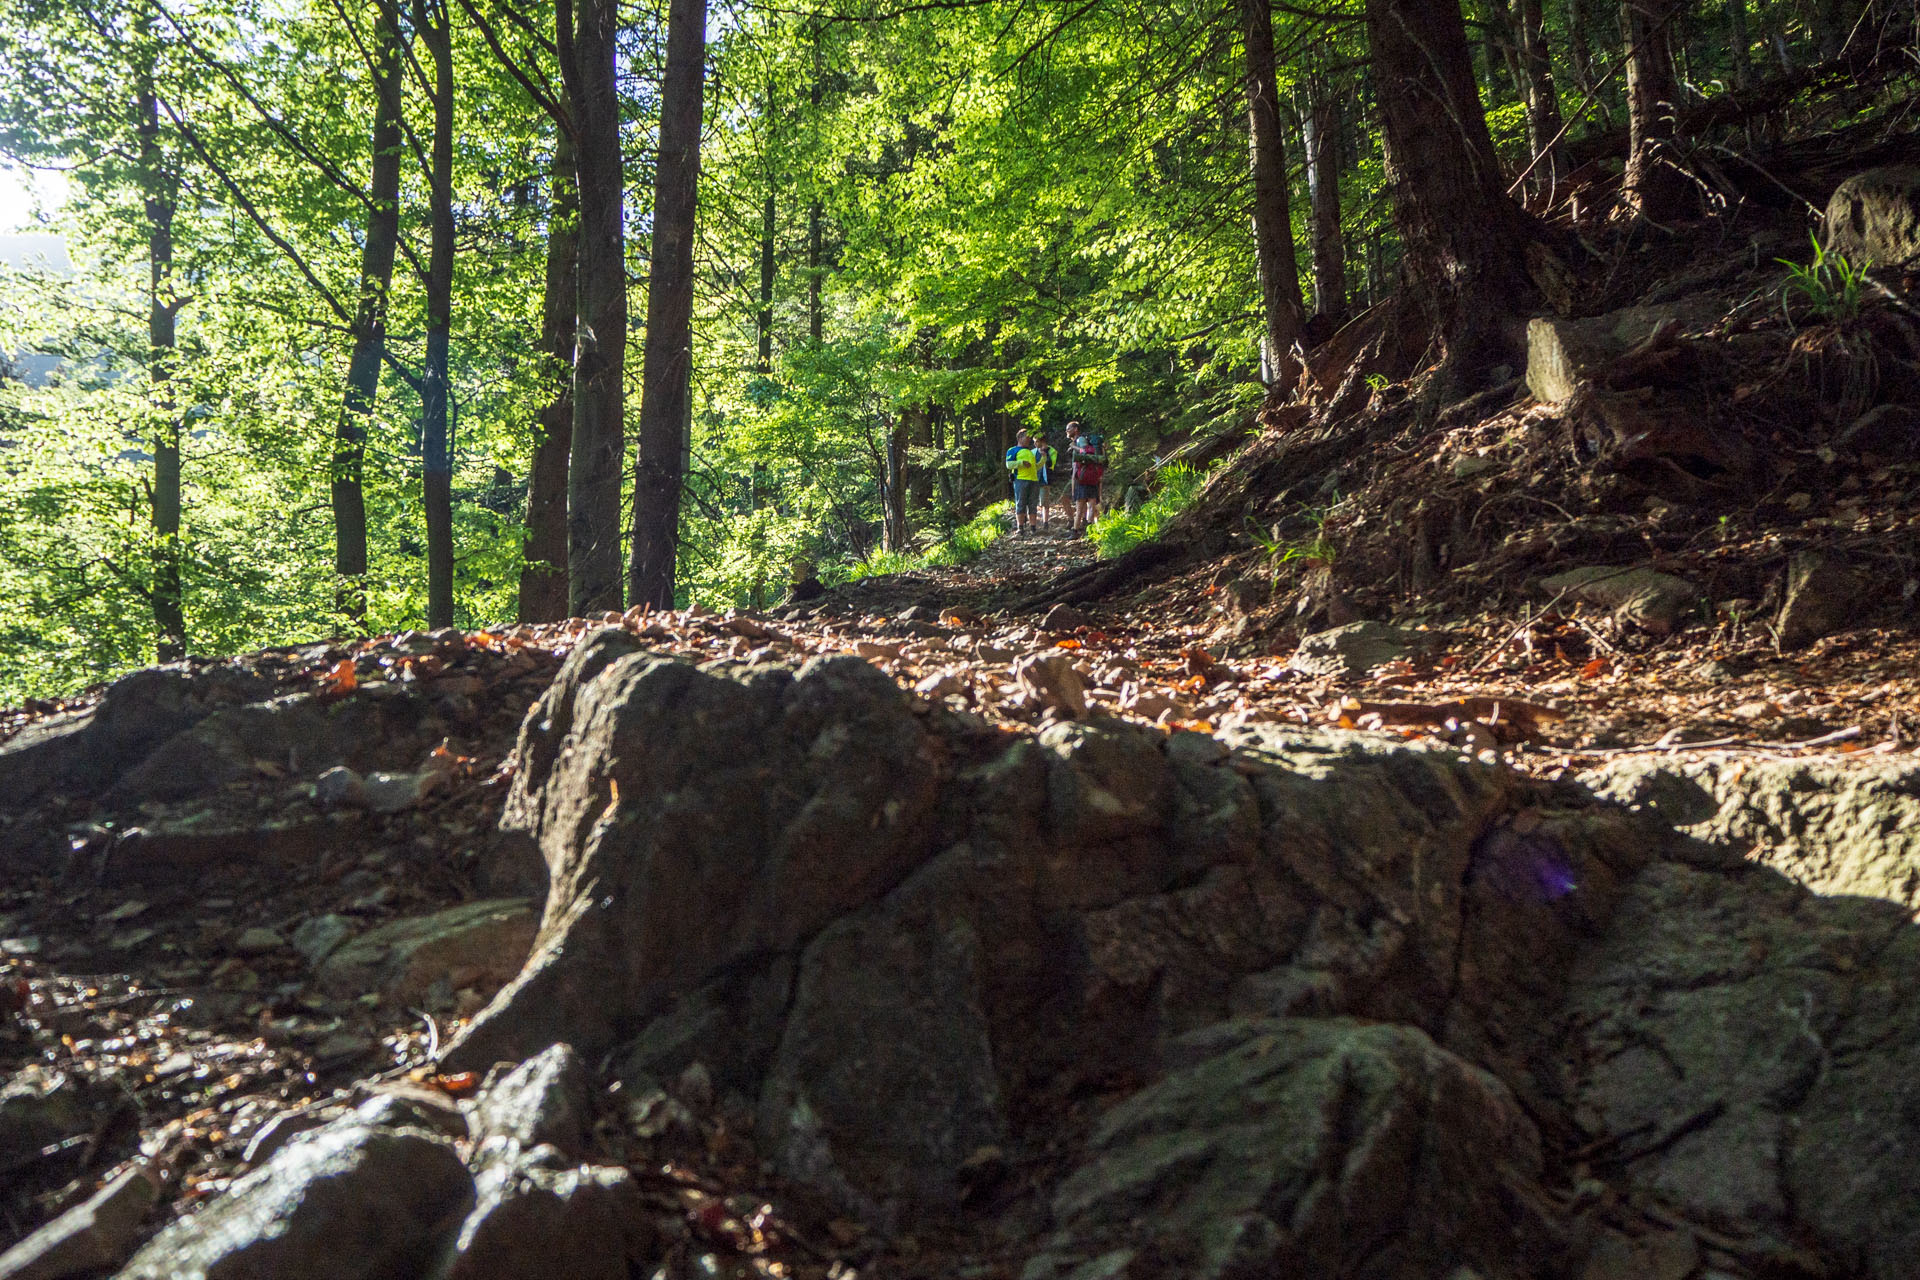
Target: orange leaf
[1594, 667]
[340, 680]
[463, 1082]
[1066, 644]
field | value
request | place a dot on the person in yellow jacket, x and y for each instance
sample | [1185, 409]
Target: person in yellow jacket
[1024, 462]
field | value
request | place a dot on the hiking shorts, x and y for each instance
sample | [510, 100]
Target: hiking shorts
[1026, 496]
[1086, 493]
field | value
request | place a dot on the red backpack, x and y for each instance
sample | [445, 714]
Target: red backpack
[1089, 461]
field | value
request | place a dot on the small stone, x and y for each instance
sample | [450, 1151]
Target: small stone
[339, 787]
[258, 941]
[317, 937]
[1051, 679]
[1064, 617]
[389, 793]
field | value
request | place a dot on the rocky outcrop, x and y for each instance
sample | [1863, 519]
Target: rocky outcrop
[1305, 1147]
[1427, 975]
[1835, 825]
[692, 820]
[1136, 1004]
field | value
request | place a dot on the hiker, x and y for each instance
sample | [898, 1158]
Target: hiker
[1088, 456]
[1048, 458]
[1023, 463]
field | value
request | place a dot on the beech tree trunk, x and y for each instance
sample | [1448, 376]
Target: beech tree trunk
[765, 320]
[586, 40]
[1464, 240]
[1741, 43]
[1653, 187]
[1543, 104]
[1320, 137]
[436, 471]
[543, 577]
[893, 496]
[1272, 221]
[666, 386]
[157, 190]
[369, 326]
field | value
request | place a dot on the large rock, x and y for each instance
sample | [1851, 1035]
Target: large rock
[693, 818]
[537, 1215]
[1355, 649]
[1873, 218]
[1822, 596]
[1659, 602]
[1837, 826]
[85, 752]
[1751, 1055]
[1305, 1147]
[345, 1202]
[477, 944]
[1563, 356]
[546, 1100]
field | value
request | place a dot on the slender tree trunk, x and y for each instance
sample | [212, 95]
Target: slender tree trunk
[369, 326]
[1653, 187]
[1465, 241]
[666, 378]
[1543, 103]
[543, 579]
[1272, 221]
[767, 215]
[893, 525]
[1320, 137]
[919, 423]
[436, 476]
[816, 318]
[1580, 57]
[169, 604]
[1741, 44]
[586, 44]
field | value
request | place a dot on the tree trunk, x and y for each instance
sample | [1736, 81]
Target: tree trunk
[1272, 222]
[1465, 241]
[816, 319]
[1320, 138]
[1741, 43]
[157, 189]
[431, 20]
[893, 489]
[919, 423]
[1653, 187]
[769, 213]
[1543, 104]
[1580, 57]
[587, 37]
[369, 327]
[666, 377]
[543, 577]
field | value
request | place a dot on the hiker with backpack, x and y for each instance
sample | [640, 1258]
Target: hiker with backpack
[1023, 464]
[1088, 456]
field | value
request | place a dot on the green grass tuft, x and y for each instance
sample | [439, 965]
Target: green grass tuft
[1119, 532]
